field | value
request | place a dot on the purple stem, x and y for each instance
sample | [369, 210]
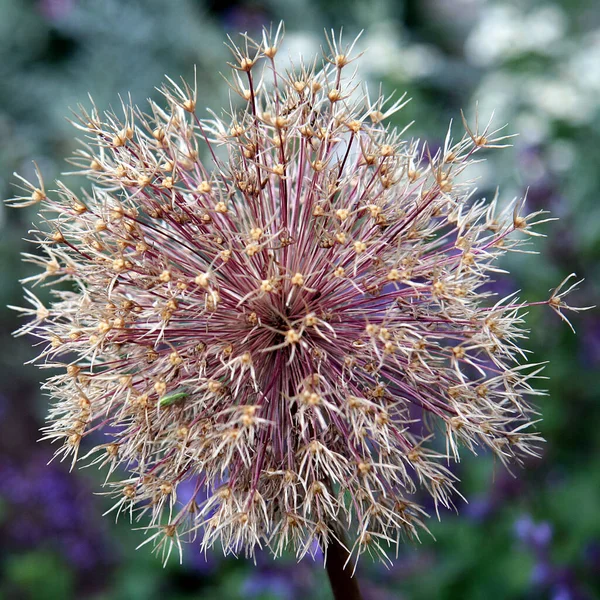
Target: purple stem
[344, 583]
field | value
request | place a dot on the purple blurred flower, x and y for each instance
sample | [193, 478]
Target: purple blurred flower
[537, 537]
[480, 508]
[45, 507]
[285, 579]
[562, 593]
[591, 556]
[268, 581]
[54, 10]
[542, 574]
[590, 346]
[244, 18]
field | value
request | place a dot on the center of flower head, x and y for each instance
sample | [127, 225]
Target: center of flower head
[284, 319]
[270, 327]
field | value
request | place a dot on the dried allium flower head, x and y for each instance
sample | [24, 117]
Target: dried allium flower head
[284, 305]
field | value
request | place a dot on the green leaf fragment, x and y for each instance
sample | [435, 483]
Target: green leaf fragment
[170, 399]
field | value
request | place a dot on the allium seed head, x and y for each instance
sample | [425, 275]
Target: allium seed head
[298, 323]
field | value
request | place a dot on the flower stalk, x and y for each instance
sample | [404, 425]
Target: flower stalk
[340, 571]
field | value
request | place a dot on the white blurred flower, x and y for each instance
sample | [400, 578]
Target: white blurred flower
[533, 128]
[560, 99]
[584, 65]
[504, 32]
[495, 93]
[562, 155]
[390, 55]
[297, 44]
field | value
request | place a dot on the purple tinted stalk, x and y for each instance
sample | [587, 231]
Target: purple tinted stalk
[342, 579]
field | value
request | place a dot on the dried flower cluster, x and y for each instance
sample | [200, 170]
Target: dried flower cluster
[292, 323]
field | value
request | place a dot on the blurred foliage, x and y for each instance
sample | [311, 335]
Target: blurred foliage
[536, 535]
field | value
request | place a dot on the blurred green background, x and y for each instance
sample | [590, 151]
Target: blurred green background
[531, 534]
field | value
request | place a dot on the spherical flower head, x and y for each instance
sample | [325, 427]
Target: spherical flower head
[285, 305]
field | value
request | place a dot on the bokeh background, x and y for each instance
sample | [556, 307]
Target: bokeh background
[531, 534]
